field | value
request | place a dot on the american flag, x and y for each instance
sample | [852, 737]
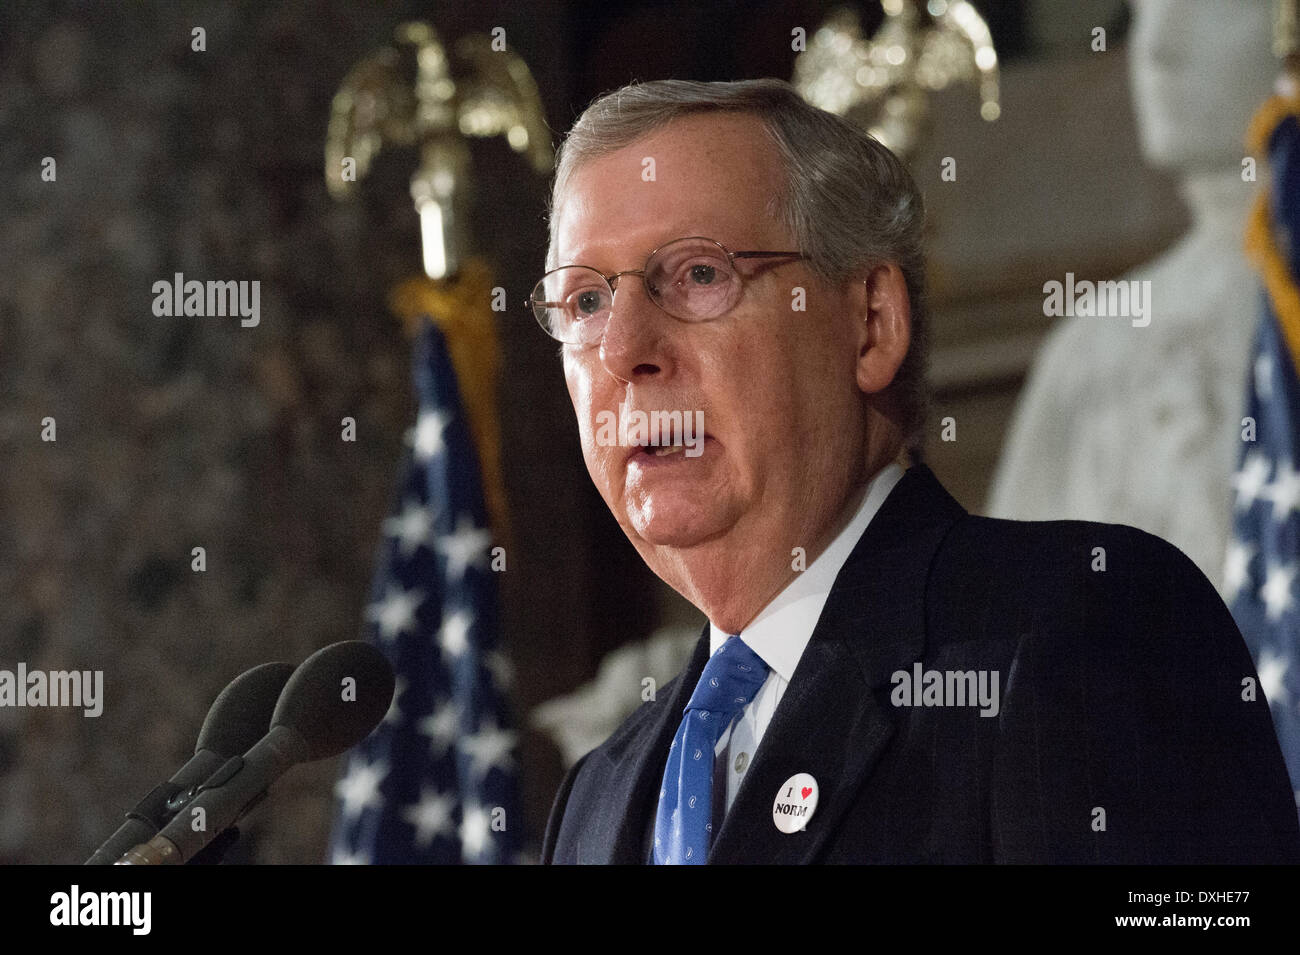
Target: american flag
[435, 782]
[1263, 558]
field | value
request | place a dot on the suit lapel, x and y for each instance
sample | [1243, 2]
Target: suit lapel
[635, 775]
[829, 723]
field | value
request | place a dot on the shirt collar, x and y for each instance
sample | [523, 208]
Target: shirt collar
[783, 628]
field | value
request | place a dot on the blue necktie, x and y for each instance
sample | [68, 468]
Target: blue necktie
[684, 823]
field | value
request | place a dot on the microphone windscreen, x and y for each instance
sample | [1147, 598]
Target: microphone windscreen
[336, 697]
[241, 713]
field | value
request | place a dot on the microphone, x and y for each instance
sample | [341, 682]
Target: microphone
[331, 703]
[236, 720]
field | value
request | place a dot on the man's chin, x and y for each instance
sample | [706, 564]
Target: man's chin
[673, 526]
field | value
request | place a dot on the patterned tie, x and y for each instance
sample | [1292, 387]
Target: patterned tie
[684, 823]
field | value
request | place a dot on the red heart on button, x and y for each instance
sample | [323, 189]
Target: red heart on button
[806, 790]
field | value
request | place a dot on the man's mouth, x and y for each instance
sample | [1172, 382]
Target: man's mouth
[663, 452]
[678, 449]
[653, 436]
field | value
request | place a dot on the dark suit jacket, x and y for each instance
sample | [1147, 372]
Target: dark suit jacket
[1121, 691]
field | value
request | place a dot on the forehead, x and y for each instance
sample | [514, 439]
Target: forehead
[710, 174]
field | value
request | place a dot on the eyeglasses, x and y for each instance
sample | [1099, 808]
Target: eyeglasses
[693, 279]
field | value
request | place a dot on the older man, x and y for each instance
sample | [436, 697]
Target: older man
[883, 677]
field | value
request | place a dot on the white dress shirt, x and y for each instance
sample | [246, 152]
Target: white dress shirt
[779, 634]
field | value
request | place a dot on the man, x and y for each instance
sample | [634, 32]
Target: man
[883, 677]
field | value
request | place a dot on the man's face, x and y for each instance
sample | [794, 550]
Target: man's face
[782, 414]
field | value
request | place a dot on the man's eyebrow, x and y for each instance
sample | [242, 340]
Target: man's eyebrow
[589, 254]
[592, 249]
[599, 247]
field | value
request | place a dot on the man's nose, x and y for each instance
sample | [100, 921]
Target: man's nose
[633, 346]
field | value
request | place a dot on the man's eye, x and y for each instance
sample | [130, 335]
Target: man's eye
[703, 274]
[587, 303]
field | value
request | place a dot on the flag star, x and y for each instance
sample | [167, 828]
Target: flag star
[475, 829]
[394, 612]
[394, 715]
[441, 726]
[1264, 376]
[1283, 491]
[1236, 569]
[498, 664]
[342, 856]
[1272, 670]
[453, 635]
[413, 527]
[427, 439]
[466, 547]
[359, 789]
[1250, 480]
[1276, 591]
[488, 747]
[431, 816]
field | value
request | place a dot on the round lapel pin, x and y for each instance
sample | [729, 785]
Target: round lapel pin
[796, 801]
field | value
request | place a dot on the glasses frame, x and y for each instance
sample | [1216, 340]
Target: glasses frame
[611, 280]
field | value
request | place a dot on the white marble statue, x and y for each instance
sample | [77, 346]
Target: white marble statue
[1140, 424]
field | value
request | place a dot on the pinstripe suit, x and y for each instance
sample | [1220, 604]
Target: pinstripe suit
[1121, 733]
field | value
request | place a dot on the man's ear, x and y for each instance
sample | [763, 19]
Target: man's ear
[886, 329]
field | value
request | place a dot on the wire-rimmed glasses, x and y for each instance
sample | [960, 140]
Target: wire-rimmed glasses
[693, 279]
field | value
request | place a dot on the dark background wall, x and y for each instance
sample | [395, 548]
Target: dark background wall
[182, 432]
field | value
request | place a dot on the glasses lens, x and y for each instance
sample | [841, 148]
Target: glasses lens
[572, 303]
[692, 279]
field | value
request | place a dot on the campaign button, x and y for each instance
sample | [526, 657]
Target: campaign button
[796, 801]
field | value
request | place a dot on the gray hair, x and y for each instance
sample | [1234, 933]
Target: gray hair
[848, 201]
